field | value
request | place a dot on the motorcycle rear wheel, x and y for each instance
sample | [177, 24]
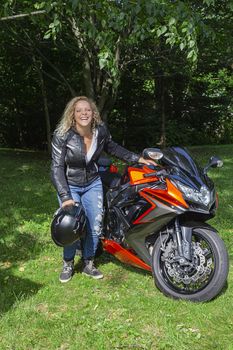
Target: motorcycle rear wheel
[204, 279]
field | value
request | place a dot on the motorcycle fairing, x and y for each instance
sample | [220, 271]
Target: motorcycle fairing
[136, 175]
[185, 169]
[124, 255]
[157, 210]
[180, 157]
[169, 196]
[161, 202]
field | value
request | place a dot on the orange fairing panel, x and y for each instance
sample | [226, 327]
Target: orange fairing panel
[124, 255]
[137, 175]
[176, 194]
[171, 195]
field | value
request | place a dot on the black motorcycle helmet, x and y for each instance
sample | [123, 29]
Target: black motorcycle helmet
[68, 225]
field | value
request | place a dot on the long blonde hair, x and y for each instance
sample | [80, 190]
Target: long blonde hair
[67, 119]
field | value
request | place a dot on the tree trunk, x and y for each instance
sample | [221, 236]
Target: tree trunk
[108, 106]
[163, 117]
[46, 111]
[45, 103]
[160, 103]
[87, 78]
[65, 81]
[97, 84]
[18, 123]
[105, 98]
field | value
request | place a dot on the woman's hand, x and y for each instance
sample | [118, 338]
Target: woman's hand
[146, 161]
[68, 203]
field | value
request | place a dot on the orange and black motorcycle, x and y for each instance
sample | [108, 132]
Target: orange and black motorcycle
[155, 219]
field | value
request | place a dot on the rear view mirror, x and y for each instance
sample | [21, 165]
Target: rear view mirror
[214, 162]
[152, 153]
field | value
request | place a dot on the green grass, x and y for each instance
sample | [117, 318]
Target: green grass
[122, 311]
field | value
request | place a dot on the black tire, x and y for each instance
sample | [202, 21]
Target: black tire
[215, 278]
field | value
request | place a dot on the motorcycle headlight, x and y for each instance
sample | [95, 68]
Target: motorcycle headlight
[202, 196]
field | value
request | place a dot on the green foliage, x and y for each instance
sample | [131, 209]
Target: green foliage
[124, 25]
[171, 60]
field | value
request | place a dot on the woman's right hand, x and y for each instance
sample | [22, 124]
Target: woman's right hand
[68, 203]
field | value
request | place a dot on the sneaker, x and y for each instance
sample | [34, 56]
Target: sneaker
[67, 271]
[91, 270]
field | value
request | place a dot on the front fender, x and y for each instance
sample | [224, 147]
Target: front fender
[186, 236]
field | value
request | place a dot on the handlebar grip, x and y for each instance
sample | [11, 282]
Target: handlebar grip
[150, 175]
[158, 174]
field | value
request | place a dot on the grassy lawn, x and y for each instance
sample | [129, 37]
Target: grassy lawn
[122, 311]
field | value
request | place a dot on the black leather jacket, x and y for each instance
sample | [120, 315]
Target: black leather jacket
[69, 165]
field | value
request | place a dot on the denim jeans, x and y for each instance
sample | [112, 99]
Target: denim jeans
[91, 197]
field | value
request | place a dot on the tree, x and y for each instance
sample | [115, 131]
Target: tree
[106, 34]
[144, 50]
[29, 68]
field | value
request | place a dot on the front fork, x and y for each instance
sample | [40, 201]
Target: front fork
[183, 238]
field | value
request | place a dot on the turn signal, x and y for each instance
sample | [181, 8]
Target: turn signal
[113, 169]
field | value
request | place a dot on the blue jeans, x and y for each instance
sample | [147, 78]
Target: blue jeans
[91, 197]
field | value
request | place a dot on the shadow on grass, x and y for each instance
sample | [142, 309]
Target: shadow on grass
[22, 248]
[106, 258]
[27, 202]
[15, 289]
[118, 278]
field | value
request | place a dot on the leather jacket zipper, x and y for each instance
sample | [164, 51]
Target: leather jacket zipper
[84, 158]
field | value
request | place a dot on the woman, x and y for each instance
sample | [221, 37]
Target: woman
[78, 142]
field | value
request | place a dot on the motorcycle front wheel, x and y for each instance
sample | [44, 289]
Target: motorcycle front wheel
[201, 279]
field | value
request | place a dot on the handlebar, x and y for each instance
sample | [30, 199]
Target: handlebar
[150, 174]
[159, 173]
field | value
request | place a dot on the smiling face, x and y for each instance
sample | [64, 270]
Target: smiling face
[83, 114]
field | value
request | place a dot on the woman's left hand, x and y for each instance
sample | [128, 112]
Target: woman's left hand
[146, 161]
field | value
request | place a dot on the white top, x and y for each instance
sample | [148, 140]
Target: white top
[93, 146]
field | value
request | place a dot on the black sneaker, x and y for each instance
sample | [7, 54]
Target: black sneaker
[67, 271]
[91, 270]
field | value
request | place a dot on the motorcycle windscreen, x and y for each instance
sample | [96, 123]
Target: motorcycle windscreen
[185, 166]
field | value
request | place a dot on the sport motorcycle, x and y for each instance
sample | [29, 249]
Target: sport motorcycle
[155, 219]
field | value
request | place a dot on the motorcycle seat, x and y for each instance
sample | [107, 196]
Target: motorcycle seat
[110, 180]
[116, 181]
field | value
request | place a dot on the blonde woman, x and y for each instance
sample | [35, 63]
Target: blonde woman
[78, 142]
